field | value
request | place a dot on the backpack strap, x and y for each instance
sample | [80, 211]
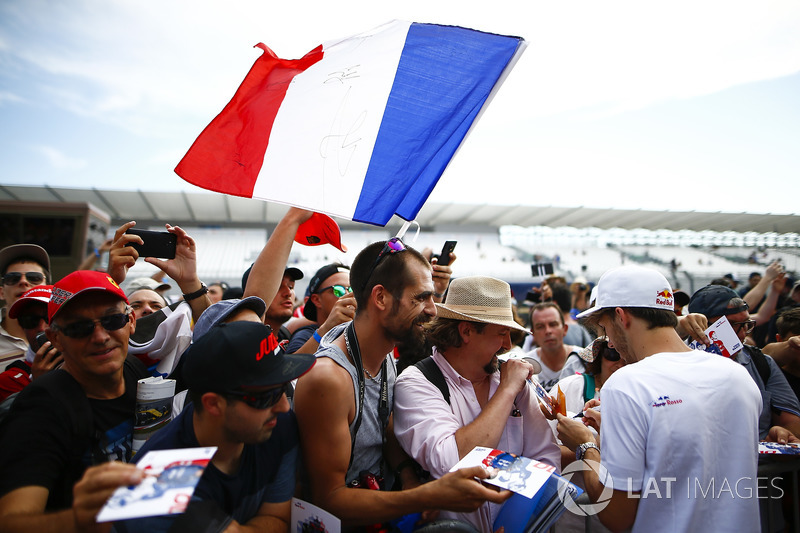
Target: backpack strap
[760, 360]
[20, 365]
[588, 387]
[433, 373]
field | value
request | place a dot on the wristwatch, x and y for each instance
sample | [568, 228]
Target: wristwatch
[580, 451]
[196, 294]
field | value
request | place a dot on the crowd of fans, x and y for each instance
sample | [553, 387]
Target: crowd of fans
[386, 374]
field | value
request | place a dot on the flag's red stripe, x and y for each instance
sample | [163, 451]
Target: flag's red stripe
[227, 156]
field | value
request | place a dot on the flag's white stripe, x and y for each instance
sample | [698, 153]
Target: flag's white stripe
[336, 127]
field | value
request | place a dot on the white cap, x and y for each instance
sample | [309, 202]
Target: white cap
[632, 286]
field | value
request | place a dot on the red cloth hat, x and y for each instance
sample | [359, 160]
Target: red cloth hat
[320, 229]
[78, 282]
[40, 293]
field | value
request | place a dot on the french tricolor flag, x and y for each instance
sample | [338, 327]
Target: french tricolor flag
[360, 128]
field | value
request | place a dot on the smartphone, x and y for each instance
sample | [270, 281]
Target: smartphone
[539, 270]
[534, 297]
[444, 257]
[39, 341]
[160, 244]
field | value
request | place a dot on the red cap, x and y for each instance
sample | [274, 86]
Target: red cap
[320, 229]
[76, 283]
[40, 293]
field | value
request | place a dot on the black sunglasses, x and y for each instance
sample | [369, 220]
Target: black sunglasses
[600, 347]
[260, 400]
[392, 246]
[30, 321]
[84, 328]
[748, 325]
[12, 278]
[610, 354]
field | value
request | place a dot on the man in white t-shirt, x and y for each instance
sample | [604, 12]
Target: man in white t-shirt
[558, 360]
[676, 460]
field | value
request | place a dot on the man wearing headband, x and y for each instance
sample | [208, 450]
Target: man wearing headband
[488, 405]
[241, 408]
[344, 404]
[667, 420]
[79, 415]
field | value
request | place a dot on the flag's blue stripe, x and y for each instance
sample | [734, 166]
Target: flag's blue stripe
[443, 79]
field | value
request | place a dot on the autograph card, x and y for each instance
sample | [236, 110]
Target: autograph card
[172, 476]
[308, 517]
[509, 471]
[544, 398]
[724, 340]
[774, 448]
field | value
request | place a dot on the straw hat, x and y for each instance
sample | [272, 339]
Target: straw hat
[479, 299]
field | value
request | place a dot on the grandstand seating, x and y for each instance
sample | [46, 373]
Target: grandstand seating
[225, 253]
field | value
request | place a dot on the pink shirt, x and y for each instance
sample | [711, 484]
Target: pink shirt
[426, 425]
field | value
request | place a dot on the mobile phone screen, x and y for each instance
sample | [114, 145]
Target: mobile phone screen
[160, 244]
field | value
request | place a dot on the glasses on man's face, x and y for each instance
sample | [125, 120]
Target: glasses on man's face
[34, 278]
[84, 328]
[260, 400]
[392, 246]
[338, 290]
[31, 321]
[748, 325]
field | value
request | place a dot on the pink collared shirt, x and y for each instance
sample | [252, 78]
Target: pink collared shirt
[426, 425]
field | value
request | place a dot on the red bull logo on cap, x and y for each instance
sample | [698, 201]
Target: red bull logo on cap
[665, 298]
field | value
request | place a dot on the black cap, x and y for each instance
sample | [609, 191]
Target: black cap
[712, 301]
[309, 309]
[681, 298]
[240, 355]
[292, 272]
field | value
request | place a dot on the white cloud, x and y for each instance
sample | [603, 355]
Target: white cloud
[10, 97]
[183, 57]
[58, 159]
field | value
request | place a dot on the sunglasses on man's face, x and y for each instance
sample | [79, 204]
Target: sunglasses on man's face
[84, 328]
[260, 400]
[338, 290]
[12, 278]
[31, 321]
[747, 325]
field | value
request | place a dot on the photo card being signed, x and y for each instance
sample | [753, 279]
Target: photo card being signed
[172, 476]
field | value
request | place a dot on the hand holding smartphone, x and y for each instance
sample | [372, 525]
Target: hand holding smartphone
[159, 244]
[444, 257]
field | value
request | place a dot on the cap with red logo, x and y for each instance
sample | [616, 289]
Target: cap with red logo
[40, 293]
[632, 286]
[240, 355]
[77, 283]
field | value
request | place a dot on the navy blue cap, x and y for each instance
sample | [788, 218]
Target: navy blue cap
[712, 301]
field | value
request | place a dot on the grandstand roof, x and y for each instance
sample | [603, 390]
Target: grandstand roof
[204, 209]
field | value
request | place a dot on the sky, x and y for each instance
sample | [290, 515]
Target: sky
[686, 105]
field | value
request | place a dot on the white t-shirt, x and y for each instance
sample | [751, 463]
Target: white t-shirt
[682, 428]
[548, 378]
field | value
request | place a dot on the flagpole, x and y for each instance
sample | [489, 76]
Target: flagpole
[404, 228]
